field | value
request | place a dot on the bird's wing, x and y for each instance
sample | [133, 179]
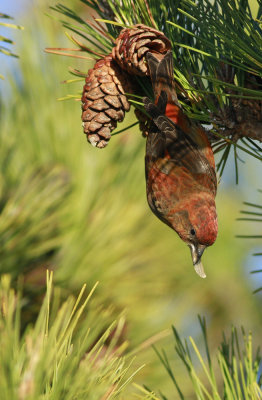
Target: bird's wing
[162, 75]
[166, 139]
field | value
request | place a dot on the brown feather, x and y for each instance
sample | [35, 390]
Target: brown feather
[179, 163]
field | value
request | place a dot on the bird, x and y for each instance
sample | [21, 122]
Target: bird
[181, 182]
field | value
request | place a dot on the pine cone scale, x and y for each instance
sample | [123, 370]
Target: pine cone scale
[158, 45]
[105, 79]
[99, 105]
[86, 103]
[101, 72]
[125, 102]
[94, 126]
[102, 118]
[113, 101]
[142, 43]
[94, 139]
[91, 85]
[88, 115]
[135, 32]
[105, 132]
[94, 94]
[147, 35]
[113, 114]
[141, 51]
[126, 51]
[109, 88]
[104, 101]
[130, 50]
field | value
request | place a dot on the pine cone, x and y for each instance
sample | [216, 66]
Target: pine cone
[239, 111]
[249, 109]
[132, 45]
[104, 101]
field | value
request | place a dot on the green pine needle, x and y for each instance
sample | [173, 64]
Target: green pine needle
[238, 366]
[197, 33]
[57, 357]
[3, 39]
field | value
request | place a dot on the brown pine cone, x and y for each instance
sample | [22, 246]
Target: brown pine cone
[241, 115]
[249, 109]
[132, 45]
[103, 101]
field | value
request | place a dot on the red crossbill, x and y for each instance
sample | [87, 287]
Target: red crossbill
[180, 169]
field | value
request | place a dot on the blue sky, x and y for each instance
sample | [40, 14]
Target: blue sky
[14, 7]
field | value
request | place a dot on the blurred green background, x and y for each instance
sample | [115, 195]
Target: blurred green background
[82, 212]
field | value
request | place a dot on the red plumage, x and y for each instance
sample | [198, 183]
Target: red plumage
[180, 168]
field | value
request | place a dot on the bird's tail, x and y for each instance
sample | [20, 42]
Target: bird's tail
[162, 76]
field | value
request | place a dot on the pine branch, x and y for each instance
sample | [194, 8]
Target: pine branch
[239, 365]
[217, 60]
[57, 357]
[248, 129]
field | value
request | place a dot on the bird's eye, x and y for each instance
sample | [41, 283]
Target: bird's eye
[193, 232]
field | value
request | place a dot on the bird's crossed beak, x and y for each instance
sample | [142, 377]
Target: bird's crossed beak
[196, 251]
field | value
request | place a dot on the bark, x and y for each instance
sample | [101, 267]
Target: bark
[249, 129]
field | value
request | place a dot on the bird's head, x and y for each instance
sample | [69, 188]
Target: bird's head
[196, 224]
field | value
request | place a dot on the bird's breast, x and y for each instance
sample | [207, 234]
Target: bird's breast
[167, 183]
